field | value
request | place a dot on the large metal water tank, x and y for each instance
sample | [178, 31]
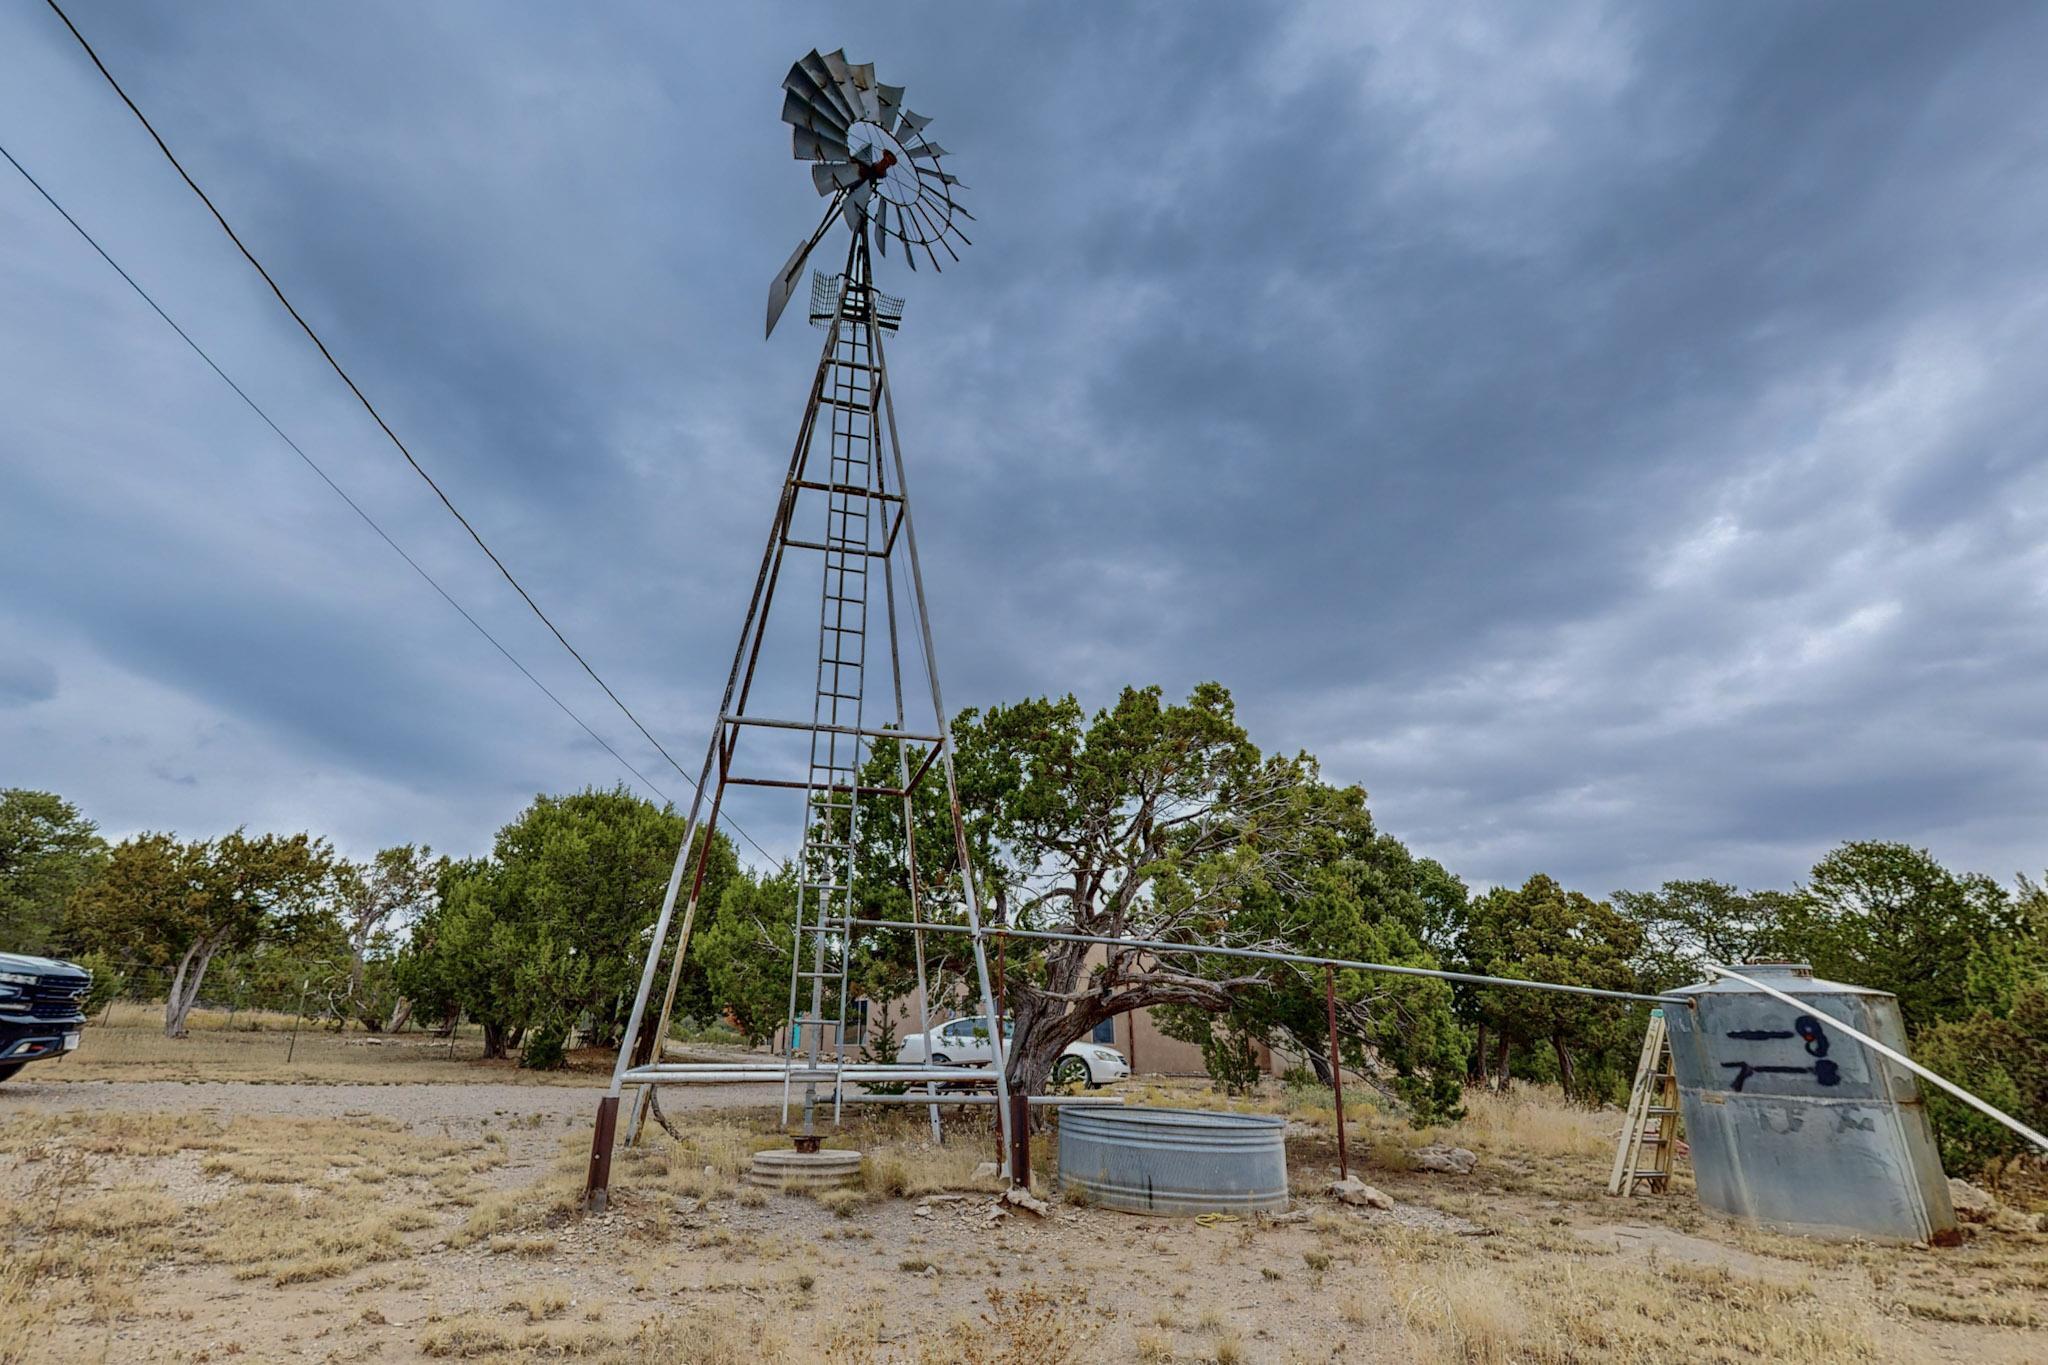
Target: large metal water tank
[1796, 1125]
[1174, 1161]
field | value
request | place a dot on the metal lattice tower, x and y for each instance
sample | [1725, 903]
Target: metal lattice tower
[844, 501]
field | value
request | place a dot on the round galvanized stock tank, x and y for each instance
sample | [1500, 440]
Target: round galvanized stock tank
[1173, 1161]
[1796, 1125]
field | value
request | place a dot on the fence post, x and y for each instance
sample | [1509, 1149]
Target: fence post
[1020, 1139]
[1336, 1071]
[303, 986]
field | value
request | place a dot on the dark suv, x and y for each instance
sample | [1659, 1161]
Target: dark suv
[42, 1009]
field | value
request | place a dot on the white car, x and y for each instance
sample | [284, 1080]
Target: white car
[965, 1042]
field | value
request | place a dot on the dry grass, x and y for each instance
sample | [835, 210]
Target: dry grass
[1532, 1121]
[1027, 1326]
[1588, 1308]
[110, 1213]
[282, 1201]
[139, 1051]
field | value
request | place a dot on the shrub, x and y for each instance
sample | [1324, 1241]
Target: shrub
[2002, 1061]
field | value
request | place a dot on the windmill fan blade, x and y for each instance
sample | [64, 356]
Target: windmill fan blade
[842, 80]
[831, 178]
[855, 209]
[863, 77]
[810, 146]
[882, 226]
[934, 173]
[827, 87]
[799, 112]
[916, 123]
[784, 284]
[927, 149]
[807, 87]
[890, 97]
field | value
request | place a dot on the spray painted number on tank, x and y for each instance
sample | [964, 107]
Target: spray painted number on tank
[1808, 1030]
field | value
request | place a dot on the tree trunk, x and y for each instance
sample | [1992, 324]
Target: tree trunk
[401, 1014]
[1318, 1059]
[185, 986]
[494, 1041]
[1564, 1064]
[1500, 1063]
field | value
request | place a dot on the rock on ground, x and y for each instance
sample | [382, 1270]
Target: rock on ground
[1438, 1157]
[1352, 1190]
[1972, 1204]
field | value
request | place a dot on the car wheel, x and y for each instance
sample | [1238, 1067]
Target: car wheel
[1072, 1071]
[941, 1059]
[9, 1068]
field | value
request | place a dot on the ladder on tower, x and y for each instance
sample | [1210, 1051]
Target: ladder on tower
[1649, 1137]
[847, 397]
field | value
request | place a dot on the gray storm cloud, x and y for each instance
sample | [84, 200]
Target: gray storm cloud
[1609, 434]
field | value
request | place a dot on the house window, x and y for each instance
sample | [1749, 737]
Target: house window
[1105, 1032]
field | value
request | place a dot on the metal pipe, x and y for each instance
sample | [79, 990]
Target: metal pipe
[1263, 955]
[827, 729]
[1336, 1072]
[1889, 1053]
[853, 1071]
[1054, 1101]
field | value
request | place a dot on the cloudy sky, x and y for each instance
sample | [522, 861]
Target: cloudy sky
[1611, 434]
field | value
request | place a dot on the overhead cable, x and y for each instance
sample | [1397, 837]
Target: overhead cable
[313, 465]
[371, 408]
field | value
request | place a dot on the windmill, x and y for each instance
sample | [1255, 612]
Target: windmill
[844, 506]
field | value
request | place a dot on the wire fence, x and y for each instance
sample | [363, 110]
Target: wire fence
[287, 1000]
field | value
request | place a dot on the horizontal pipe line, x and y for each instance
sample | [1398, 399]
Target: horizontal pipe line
[1083, 1101]
[937, 1075]
[826, 729]
[806, 786]
[1262, 955]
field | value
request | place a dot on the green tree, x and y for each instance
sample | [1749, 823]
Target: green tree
[1888, 916]
[1147, 819]
[47, 852]
[552, 928]
[1689, 923]
[744, 951]
[1542, 932]
[186, 903]
[428, 968]
[374, 901]
[2003, 1060]
[1364, 897]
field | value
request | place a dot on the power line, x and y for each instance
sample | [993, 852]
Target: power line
[370, 408]
[341, 493]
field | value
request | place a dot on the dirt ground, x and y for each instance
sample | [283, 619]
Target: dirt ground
[173, 1220]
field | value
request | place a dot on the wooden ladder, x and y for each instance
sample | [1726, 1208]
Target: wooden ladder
[1650, 1136]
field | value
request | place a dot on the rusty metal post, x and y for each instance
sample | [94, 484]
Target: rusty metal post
[1020, 1139]
[1336, 1071]
[597, 1182]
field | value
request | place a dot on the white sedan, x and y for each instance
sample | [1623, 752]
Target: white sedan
[965, 1042]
